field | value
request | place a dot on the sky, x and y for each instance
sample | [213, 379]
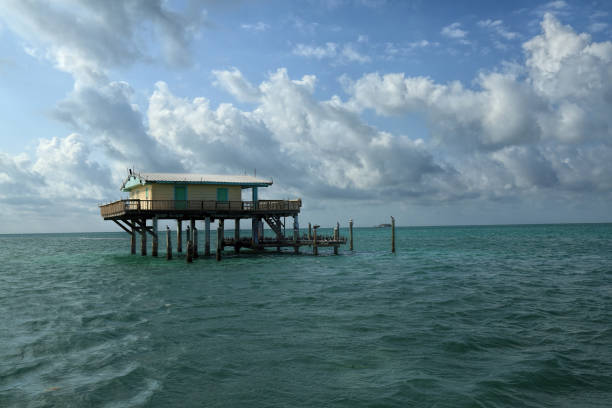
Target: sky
[435, 112]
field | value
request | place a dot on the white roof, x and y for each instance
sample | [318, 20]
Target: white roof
[202, 178]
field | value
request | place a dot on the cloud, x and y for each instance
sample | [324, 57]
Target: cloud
[315, 147]
[498, 27]
[540, 126]
[87, 38]
[352, 55]
[558, 5]
[234, 83]
[391, 50]
[339, 53]
[598, 27]
[260, 26]
[454, 31]
[318, 52]
[68, 171]
[63, 181]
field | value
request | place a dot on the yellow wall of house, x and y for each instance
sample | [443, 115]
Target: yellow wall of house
[140, 193]
[194, 192]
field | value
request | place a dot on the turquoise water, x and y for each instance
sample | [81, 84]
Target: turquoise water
[504, 316]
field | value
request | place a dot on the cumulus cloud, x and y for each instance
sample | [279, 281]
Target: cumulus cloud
[62, 181]
[319, 148]
[114, 124]
[534, 125]
[234, 83]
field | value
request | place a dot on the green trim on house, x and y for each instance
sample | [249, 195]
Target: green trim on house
[132, 182]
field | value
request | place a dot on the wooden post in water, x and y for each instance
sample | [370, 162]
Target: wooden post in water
[179, 236]
[222, 226]
[155, 242]
[351, 234]
[189, 252]
[194, 232]
[260, 230]
[296, 234]
[315, 249]
[309, 231]
[392, 234]
[336, 237]
[237, 235]
[133, 239]
[143, 237]
[190, 235]
[218, 251]
[168, 243]
[207, 236]
[187, 237]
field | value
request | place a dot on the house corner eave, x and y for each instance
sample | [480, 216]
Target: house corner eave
[131, 182]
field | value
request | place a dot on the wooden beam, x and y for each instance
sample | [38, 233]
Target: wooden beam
[122, 227]
[143, 225]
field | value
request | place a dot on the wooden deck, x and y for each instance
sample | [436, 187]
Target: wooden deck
[198, 208]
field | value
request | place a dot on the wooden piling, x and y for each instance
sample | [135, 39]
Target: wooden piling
[237, 235]
[219, 238]
[189, 257]
[168, 243]
[222, 226]
[336, 237]
[315, 248]
[133, 239]
[296, 234]
[155, 241]
[187, 235]
[392, 234]
[207, 236]
[309, 231]
[143, 237]
[351, 234]
[194, 232]
[179, 235]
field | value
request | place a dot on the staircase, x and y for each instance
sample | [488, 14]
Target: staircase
[274, 221]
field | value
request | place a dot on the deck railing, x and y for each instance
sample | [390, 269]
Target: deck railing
[122, 206]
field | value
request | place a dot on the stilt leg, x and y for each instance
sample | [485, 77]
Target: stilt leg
[143, 237]
[179, 236]
[207, 236]
[155, 241]
[168, 243]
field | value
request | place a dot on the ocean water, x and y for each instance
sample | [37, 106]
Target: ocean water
[500, 316]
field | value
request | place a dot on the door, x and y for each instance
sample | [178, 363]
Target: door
[222, 194]
[180, 197]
